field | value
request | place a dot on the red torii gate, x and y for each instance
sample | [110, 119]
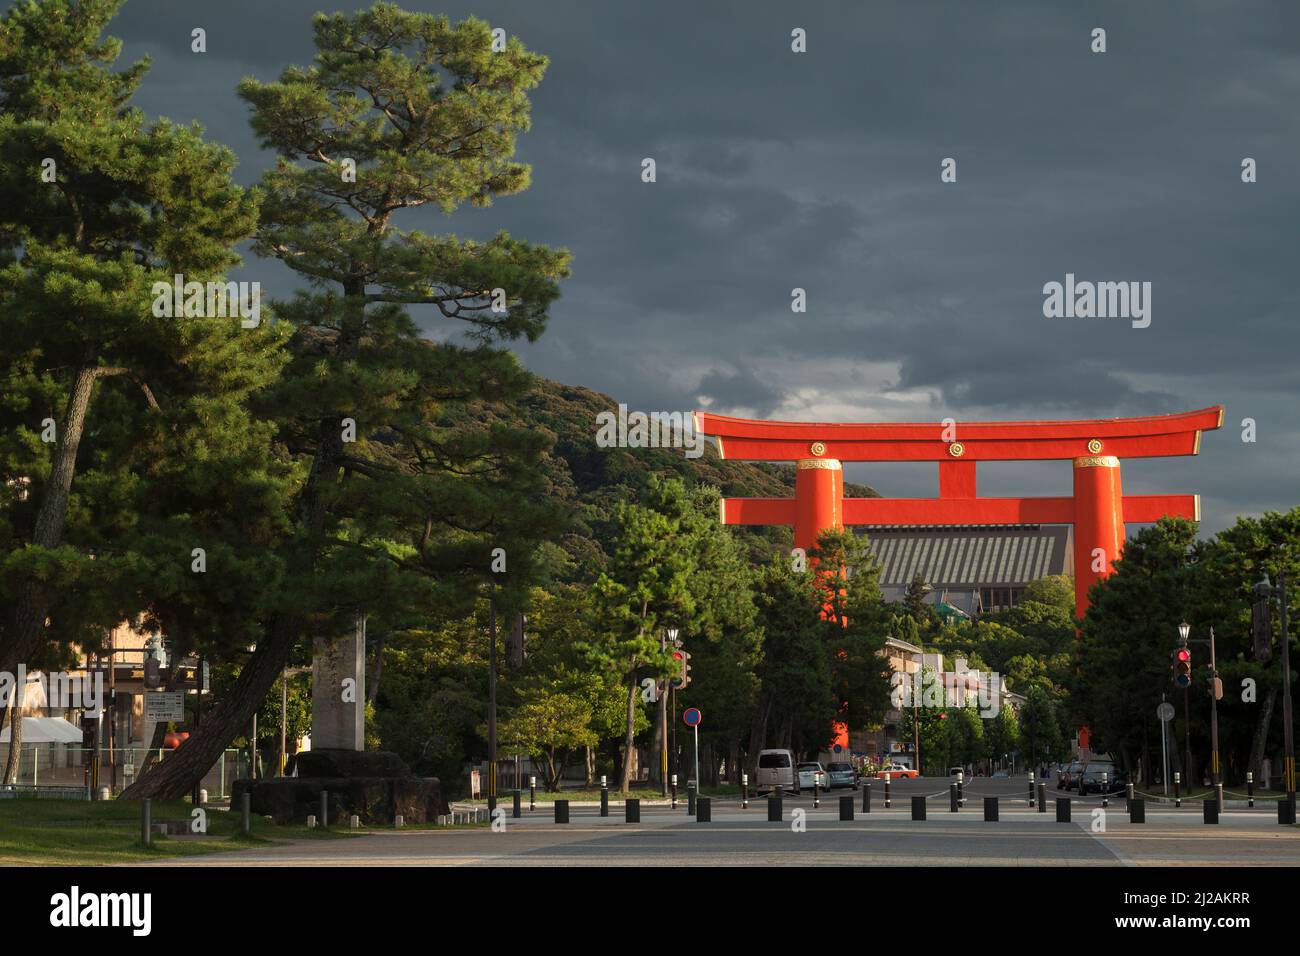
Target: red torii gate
[1097, 509]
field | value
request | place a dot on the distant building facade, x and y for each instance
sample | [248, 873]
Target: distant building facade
[974, 568]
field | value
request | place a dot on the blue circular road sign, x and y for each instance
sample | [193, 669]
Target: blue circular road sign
[692, 716]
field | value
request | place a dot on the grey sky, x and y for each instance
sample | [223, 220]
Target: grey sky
[821, 170]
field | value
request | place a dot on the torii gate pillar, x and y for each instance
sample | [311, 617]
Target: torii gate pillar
[818, 499]
[1098, 523]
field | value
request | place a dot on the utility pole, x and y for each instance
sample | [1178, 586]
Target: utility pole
[1214, 716]
[492, 703]
[663, 720]
[1289, 770]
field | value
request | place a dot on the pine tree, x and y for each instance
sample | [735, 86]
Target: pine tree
[98, 206]
[407, 484]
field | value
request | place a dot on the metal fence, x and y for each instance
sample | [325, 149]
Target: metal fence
[58, 767]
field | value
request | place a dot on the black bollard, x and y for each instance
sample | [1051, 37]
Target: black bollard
[952, 797]
[1062, 809]
[961, 790]
[817, 792]
[561, 811]
[246, 814]
[146, 822]
[1286, 810]
[886, 793]
[632, 810]
[690, 798]
[1042, 798]
[703, 810]
[774, 806]
[918, 808]
[674, 791]
[1137, 810]
[990, 809]
[1211, 811]
[604, 797]
[517, 810]
[1250, 789]
[324, 808]
[866, 798]
[1031, 788]
[1178, 786]
[1105, 790]
[744, 791]
[532, 794]
[846, 808]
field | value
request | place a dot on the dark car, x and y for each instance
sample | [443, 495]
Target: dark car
[1102, 778]
[1068, 779]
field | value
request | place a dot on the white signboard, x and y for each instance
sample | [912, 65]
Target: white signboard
[164, 706]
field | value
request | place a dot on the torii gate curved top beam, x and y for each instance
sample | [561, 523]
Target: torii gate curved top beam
[1097, 509]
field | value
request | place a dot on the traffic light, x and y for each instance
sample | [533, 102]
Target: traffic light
[1182, 659]
[683, 661]
[1261, 622]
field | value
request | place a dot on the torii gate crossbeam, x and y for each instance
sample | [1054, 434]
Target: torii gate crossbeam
[1097, 509]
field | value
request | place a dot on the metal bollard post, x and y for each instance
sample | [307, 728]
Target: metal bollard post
[990, 809]
[1137, 810]
[817, 792]
[1178, 781]
[604, 796]
[866, 797]
[703, 810]
[1062, 809]
[1286, 810]
[774, 806]
[146, 822]
[324, 808]
[1250, 789]
[561, 811]
[918, 808]
[246, 814]
[632, 810]
[1105, 790]
[517, 811]
[1219, 796]
[1211, 812]
[532, 794]
[744, 791]
[690, 798]
[886, 793]
[1031, 788]
[952, 797]
[846, 808]
[1042, 798]
[961, 788]
[674, 806]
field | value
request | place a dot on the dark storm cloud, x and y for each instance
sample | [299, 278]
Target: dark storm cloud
[821, 171]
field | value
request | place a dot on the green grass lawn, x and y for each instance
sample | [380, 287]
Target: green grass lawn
[78, 832]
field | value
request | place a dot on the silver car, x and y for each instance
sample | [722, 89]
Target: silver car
[810, 773]
[841, 774]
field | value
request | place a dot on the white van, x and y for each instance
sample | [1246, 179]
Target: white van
[776, 769]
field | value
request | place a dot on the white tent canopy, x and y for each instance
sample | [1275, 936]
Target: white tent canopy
[45, 730]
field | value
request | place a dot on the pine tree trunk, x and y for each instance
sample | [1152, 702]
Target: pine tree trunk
[177, 776]
[629, 752]
[32, 604]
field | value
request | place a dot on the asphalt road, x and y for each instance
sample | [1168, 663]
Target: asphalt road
[808, 835]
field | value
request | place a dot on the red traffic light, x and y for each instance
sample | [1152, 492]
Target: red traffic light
[1182, 655]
